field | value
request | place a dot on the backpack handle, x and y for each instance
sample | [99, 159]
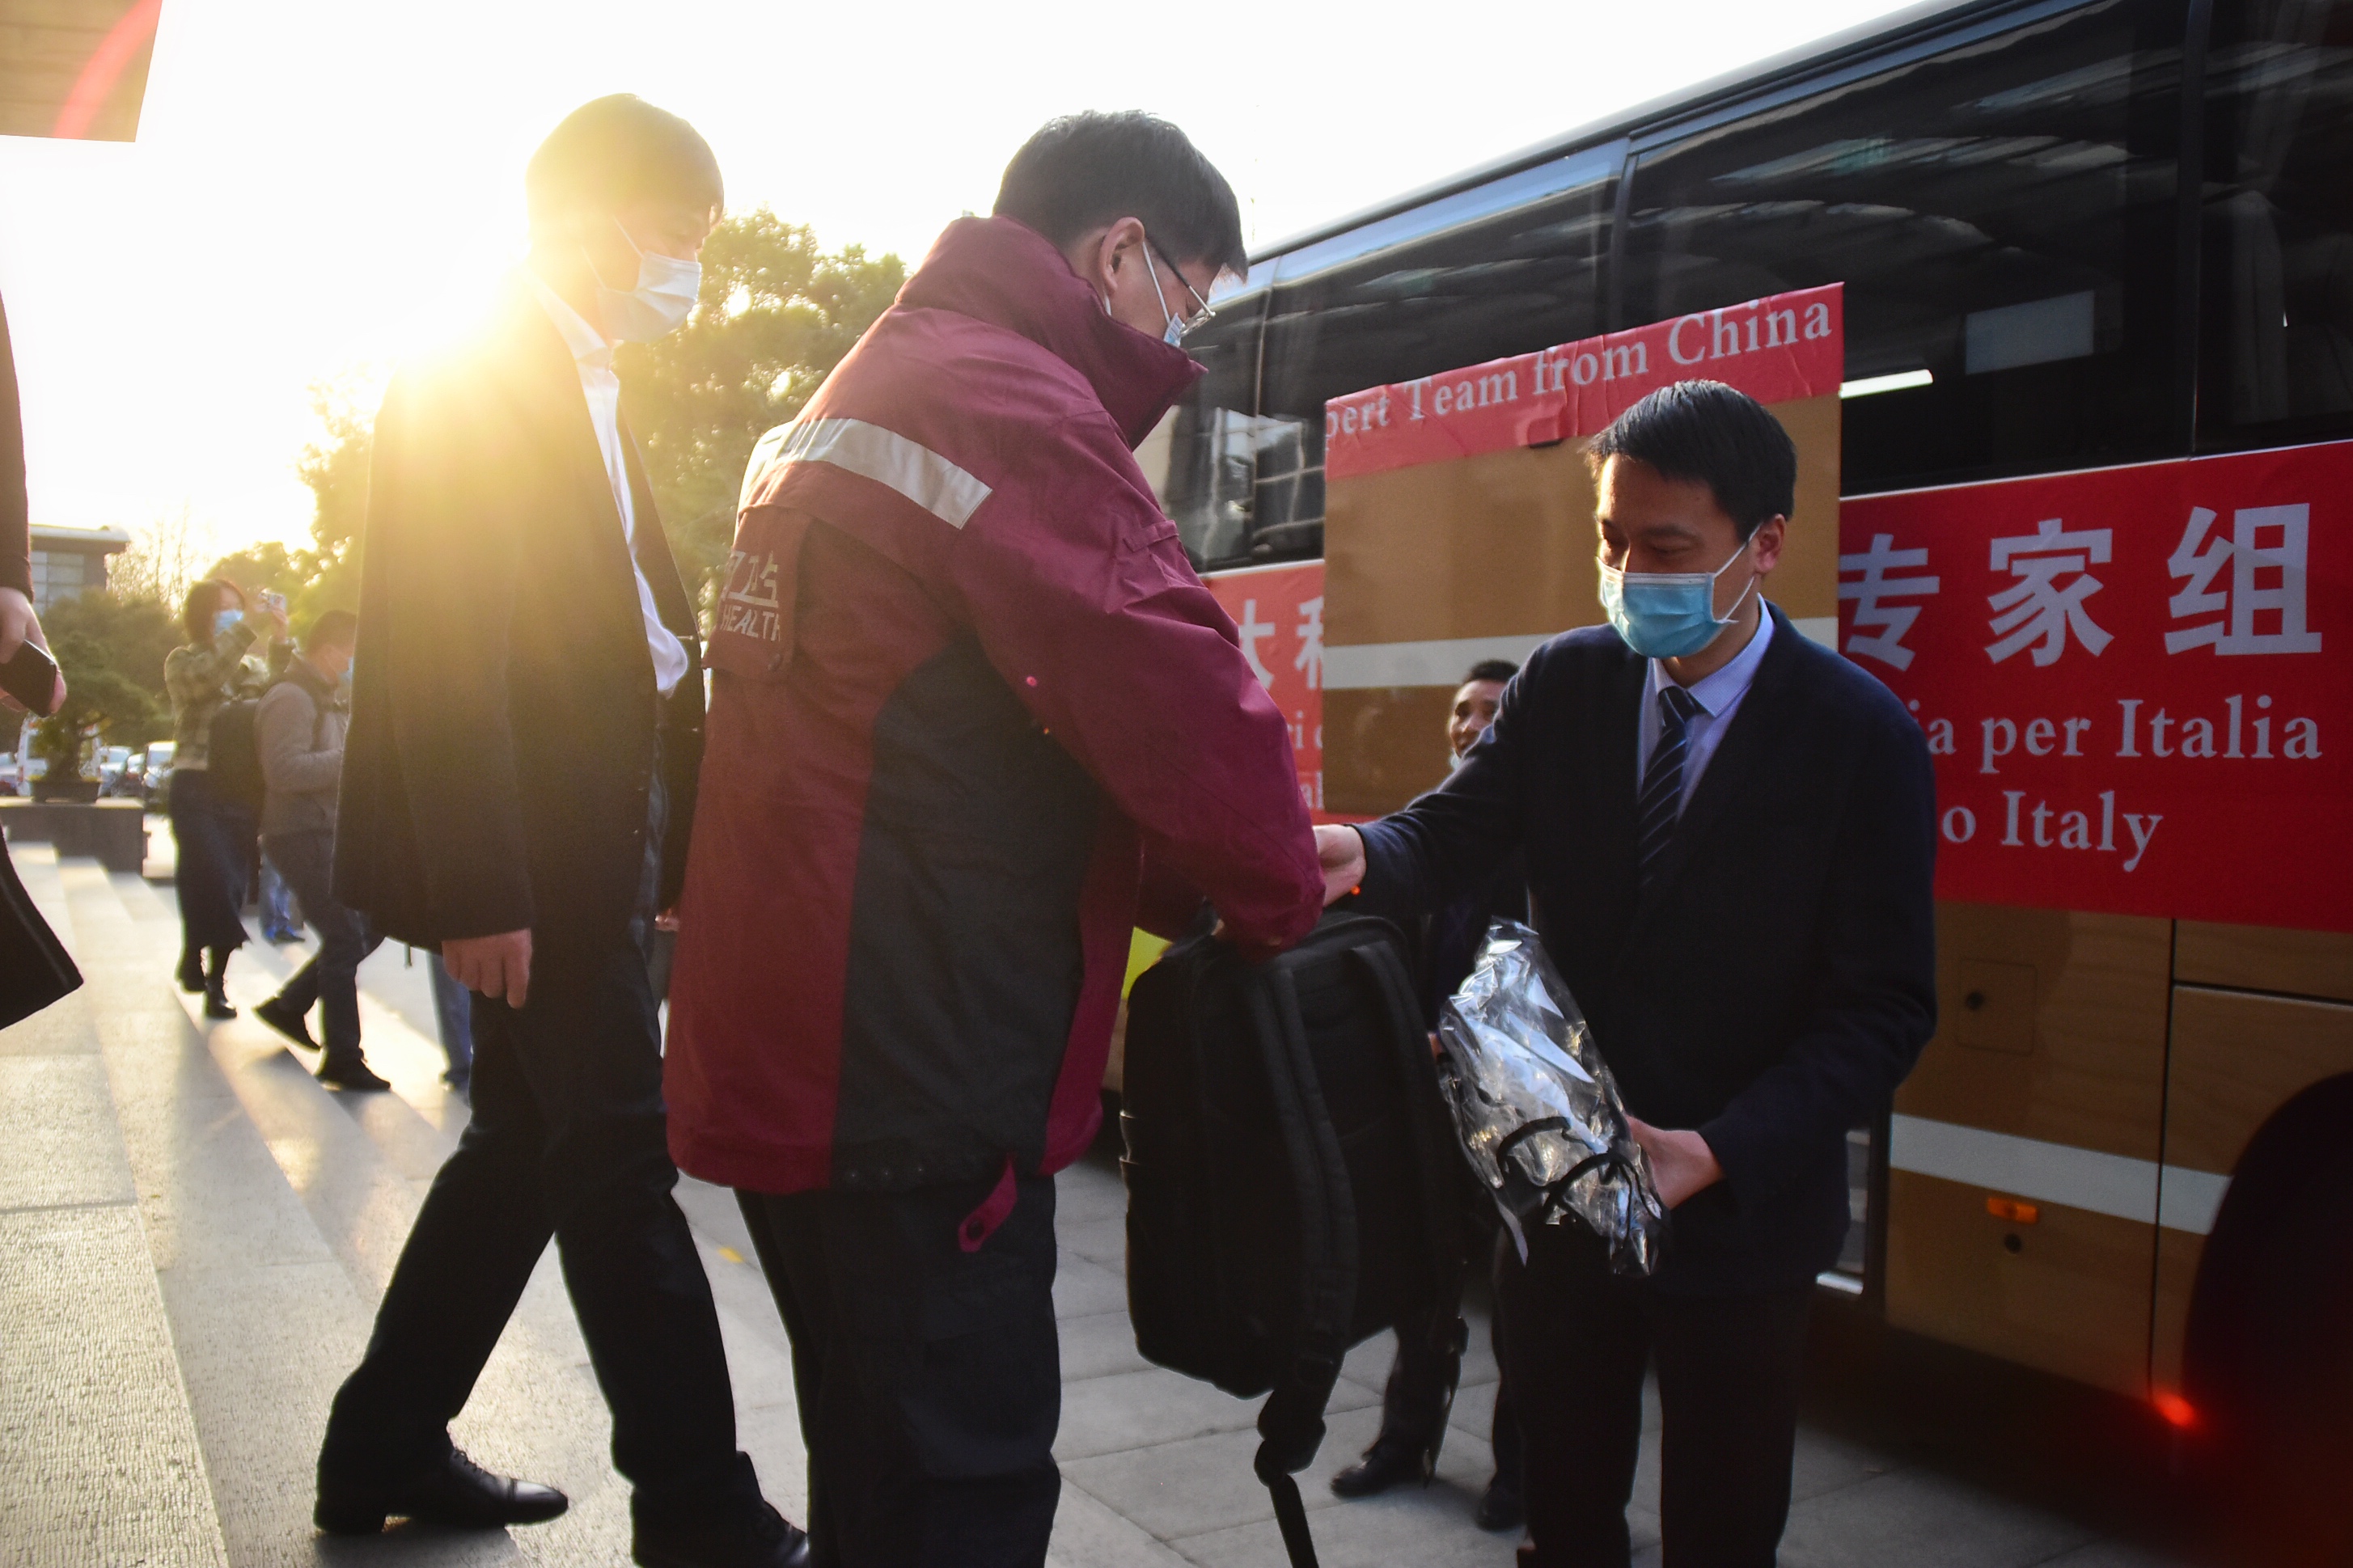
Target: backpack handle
[1291, 1423]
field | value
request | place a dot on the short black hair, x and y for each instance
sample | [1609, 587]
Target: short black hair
[616, 149]
[335, 628]
[1498, 670]
[1083, 171]
[1706, 431]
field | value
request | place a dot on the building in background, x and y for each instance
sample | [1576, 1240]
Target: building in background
[67, 560]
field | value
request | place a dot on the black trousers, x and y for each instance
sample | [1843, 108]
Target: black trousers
[331, 978]
[213, 841]
[929, 1378]
[1729, 1369]
[569, 1138]
[1414, 1403]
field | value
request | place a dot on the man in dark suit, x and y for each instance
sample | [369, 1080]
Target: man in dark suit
[1728, 835]
[526, 722]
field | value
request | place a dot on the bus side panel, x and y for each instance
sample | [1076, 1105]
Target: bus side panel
[2044, 1087]
[1486, 546]
[2237, 1057]
[1499, 545]
[1805, 584]
[2265, 958]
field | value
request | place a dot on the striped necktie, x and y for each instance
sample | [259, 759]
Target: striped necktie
[1662, 780]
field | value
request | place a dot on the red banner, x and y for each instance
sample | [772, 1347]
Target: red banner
[1776, 350]
[2125, 680]
[1278, 610]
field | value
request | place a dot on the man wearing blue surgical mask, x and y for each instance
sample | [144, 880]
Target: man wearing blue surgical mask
[522, 620]
[1729, 834]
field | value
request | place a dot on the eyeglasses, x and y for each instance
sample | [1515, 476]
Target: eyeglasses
[1185, 324]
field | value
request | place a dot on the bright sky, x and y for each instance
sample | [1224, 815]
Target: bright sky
[315, 184]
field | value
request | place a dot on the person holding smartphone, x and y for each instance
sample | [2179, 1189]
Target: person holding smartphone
[214, 833]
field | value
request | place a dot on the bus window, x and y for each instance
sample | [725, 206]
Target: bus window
[1503, 269]
[2002, 215]
[1203, 458]
[2276, 348]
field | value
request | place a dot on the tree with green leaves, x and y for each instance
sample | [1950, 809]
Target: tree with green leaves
[336, 469]
[776, 314]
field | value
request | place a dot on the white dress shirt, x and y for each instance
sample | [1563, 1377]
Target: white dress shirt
[1718, 695]
[603, 389]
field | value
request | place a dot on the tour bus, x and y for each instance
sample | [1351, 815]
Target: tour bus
[2091, 256]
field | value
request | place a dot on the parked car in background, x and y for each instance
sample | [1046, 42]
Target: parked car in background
[155, 778]
[113, 762]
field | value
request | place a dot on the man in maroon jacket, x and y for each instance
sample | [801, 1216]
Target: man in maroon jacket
[971, 702]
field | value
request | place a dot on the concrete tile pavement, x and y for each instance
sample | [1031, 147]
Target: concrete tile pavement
[194, 1234]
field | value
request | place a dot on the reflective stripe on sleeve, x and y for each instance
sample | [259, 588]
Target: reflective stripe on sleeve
[870, 451]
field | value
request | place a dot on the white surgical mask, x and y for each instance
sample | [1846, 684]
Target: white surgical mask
[665, 292]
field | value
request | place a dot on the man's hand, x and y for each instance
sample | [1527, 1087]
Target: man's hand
[497, 967]
[1681, 1163]
[18, 623]
[1341, 851]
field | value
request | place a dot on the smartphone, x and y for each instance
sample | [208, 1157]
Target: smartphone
[275, 601]
[30, 677]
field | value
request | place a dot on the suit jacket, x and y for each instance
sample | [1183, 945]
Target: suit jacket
[504, 713]
[1776, 981]
[15, 515]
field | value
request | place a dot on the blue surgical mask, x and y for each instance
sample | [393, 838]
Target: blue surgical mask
[225, 619]
[666, 290]
[1668, 614]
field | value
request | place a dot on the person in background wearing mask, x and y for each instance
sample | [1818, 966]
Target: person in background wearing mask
[970, 700]
[299, 730]
[521, 619]
[1729, 835]
[1420, 1389]
[212, 832]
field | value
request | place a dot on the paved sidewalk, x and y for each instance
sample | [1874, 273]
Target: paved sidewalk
[193, 1235]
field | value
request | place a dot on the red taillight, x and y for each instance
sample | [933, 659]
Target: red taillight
[2174, 1408]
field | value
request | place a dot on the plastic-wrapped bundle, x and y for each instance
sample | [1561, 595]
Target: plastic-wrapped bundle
[1536, 1109]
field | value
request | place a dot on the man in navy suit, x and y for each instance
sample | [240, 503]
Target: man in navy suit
[1728, 832]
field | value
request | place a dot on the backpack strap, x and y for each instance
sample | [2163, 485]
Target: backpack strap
[1436, 1163]
[1291, 1423]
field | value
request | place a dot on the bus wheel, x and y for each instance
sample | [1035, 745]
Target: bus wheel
[2269, 1352]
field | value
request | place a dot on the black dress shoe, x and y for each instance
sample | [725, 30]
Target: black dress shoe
[764, 1541]
[353, 1074]
[217, 1000]
[1499, 1507]
[1383, 1467]
[282, 1017]
[453, 1492]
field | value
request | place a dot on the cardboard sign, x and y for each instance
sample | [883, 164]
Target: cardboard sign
[1278, 610]
[1779, 349]
[2126, 681]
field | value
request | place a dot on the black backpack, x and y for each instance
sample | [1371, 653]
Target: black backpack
[233, 752]
[1292, 1177]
